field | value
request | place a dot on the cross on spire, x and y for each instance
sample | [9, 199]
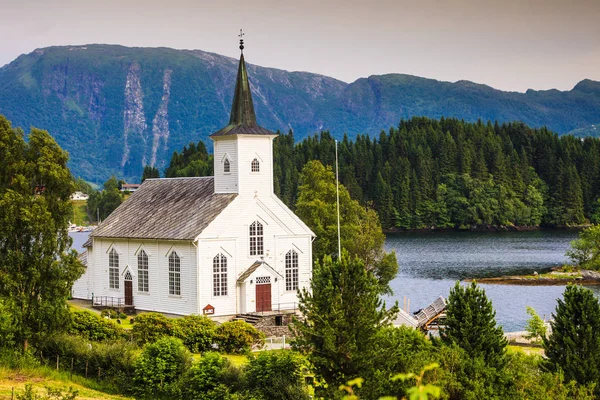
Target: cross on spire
[241, 36]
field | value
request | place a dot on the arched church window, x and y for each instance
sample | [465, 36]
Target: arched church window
[255, 165]
[142, 271]
[291, 270]
[220, 275]
[174, 274]
[113, 269]
[226, 166]
[256, 239]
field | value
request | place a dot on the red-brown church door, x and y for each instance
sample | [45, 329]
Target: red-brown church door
[263, 294]
[128, 289]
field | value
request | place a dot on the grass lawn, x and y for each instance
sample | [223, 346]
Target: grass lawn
[43, 377]
[529, 350]
[80, 217]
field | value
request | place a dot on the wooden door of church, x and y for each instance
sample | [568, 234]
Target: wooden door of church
[263, 297]
[128, 289]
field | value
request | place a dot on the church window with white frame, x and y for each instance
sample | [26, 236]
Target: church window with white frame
[291, 270]
[174, 274]
[142, 272]
[220, 275]
[113, 269]
[256, 239]
[226, 166]
[255, 166]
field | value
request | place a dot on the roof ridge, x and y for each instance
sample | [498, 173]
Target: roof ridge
[179, 177]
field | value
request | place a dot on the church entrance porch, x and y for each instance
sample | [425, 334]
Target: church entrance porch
[263, 293]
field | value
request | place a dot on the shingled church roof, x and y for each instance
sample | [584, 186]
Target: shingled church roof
[242, 120]
[168, 208]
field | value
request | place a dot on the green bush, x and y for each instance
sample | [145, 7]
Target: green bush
[6, 328]
[212, 377]
[108, 313]
[93, 327]
[196, 331]
[149, 327]
[397, 350]
[111, 362]
[275, 375]
[238, 337]
[29, 393]
[158, 368]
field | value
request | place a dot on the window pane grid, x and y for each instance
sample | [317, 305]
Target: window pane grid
[256, 239]
[143, 272]
[220, 275]
[255, 166]
[226, 166]
[113, 269]
[291, 270]
[174, 274]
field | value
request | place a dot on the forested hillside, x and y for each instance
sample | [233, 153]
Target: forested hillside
[447, 173]
[117, 109]
[450, 173]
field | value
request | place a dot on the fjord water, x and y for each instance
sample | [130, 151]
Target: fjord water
[431, 263]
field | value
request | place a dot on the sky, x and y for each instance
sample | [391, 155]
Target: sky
[507, 44]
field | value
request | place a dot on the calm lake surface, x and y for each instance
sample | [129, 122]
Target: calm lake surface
[431, 262]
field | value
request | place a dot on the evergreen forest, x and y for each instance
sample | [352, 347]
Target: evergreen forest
[446, 173]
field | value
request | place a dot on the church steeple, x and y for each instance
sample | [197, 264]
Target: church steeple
[242, 110]
[242, 119]
[243, 150]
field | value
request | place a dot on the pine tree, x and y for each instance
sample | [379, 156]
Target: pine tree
[342, 316]
[574, 345]
[471, 324]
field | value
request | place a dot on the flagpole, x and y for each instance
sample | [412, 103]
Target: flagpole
[337, 189]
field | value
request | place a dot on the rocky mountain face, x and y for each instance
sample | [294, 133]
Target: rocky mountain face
[116, 109]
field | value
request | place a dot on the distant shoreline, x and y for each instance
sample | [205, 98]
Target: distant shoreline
[488, 228]
[557, 277]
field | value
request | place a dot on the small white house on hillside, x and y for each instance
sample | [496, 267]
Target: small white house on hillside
[221, 245]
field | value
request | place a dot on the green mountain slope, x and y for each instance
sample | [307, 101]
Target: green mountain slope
[116, 108]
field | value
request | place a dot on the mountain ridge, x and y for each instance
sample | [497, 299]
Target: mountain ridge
[116, 108]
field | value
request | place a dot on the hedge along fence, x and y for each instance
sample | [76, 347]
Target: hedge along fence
[112, 362]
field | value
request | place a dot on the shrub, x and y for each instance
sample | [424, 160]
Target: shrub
[159, 366]
[93, 327]
[108, 313]
[212, 377]
[111, 362]
[275, 375]
[149, 327]
[196, 331]
[238, 337]
[6, 328]
[397, 350]
[29, 393]
[122, 315]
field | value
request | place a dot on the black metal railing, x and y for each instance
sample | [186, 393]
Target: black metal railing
[109, 302]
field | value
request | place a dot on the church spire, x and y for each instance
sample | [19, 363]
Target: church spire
[242, 120]
[242, 110]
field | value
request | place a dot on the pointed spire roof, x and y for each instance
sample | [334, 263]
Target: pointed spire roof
[242, 119]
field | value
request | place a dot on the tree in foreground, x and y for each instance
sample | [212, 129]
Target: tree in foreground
[536, 328]
[149, 173]
[361, 232]
[342, 316]
[471, 324]
[574, 345]
[585, 251]
[37, 267]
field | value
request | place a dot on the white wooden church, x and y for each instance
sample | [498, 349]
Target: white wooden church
[221, 245]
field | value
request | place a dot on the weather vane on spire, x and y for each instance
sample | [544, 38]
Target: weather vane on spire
[241, 36]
